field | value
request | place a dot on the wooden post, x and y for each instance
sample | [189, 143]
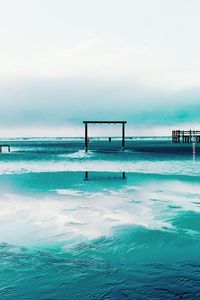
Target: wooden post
[123, 136]
[86, 137]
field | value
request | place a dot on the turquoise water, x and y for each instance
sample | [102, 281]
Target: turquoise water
[64, 237]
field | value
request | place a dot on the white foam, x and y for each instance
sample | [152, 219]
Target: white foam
[68, 192]
[155, 167]
[72, 214]
[78, 154]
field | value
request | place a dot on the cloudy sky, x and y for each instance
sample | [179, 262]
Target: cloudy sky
[63, 61]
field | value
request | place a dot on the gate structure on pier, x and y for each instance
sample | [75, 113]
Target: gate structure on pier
[104, 122]
[185, 136]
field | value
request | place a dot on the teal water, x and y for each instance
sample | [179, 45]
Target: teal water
[64, 237]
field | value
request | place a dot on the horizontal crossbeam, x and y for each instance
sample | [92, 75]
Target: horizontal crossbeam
[104, 122]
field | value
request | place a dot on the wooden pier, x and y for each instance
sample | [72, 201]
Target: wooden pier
[185, 136]
[4, 146]
[104, 122]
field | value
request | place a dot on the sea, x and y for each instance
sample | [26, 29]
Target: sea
[104, 224]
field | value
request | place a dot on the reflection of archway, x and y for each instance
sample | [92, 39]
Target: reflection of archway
[104, 122]
[123, 176]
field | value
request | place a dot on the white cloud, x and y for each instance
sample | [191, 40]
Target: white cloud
[103, 61]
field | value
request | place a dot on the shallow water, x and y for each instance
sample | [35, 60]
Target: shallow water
[64, 237]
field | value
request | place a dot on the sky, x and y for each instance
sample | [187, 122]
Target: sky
[62, 62]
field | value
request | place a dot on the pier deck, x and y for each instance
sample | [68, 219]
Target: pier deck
[4, 146]
[185, 136]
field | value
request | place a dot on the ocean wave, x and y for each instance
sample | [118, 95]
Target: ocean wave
[187, 168]
[78, 154]
[31, 221]
[57, 216]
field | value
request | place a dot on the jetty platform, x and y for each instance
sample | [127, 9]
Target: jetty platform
[185, 136]
[4, 146]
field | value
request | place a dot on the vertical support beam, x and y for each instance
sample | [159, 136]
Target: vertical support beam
[86, 137]
[123, 136]
[190, 138]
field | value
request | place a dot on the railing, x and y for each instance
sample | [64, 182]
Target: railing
[185, 136]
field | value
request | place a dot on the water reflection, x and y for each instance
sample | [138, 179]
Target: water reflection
[103, 176]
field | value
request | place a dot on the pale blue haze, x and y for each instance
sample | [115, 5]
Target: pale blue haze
[62, 62]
